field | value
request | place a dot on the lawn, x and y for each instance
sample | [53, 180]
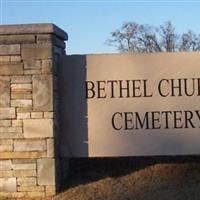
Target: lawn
[151, 178]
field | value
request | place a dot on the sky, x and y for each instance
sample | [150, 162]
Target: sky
[90, 22]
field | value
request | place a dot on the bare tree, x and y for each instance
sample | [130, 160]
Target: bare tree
[168, 37]
[134, 37]
[126, 38]
[190, 42]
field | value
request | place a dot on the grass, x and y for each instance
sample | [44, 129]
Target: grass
[160, 178]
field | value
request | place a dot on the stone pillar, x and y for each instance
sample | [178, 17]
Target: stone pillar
[29, 121]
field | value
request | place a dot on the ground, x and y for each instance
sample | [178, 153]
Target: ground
[160, 178]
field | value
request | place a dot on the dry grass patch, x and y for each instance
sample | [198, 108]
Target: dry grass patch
[134, 179]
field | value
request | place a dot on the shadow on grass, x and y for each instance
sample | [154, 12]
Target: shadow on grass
[88, 170]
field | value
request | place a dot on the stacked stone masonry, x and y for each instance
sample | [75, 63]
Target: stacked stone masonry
[28, 115]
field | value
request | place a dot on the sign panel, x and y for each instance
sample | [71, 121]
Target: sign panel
[132, 105]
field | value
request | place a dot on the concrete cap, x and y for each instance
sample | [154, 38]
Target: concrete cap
[32, 29]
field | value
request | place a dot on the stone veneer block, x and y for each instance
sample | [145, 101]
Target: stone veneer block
[31, 189]
[6, 145]
[48, 115]
[44, 28]
[23, 115]
[32, 64]
[27, 181]
[8, 184]
[10, 130]
[24, 110]
[7, 113]
[50, 148]
[36, 115]
[24, 155]
[21, 103]
[23, 161]
[13, 195]
[43, 38]
[4, 91]
[38, 128]
[13, 49]
[21, 79]
[6, 135]
[24, 173]
[25, 166]
[5, 165]
[42, 93]
[36, 51]
[4, 59]
[32, 71]
[9, 69]
[50, 190]
[21, 95]
[6, 174]
[17, 123]
[17, 39]
[47, 66]
[46, 171]
[34, 195]
[5, 123]
[25, 87]
[30, 145]
[15, 59]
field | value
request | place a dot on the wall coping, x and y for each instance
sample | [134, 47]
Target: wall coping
[33, 28]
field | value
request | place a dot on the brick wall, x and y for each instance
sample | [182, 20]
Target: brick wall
[29, 121]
